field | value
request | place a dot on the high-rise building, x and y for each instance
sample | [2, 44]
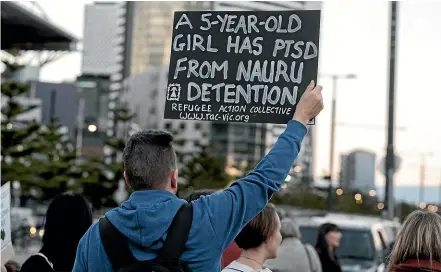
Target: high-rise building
[100, 24]
[303, 168]
[257, 137]
[152, 27]
[143, 41]
[240, 143]
[264, 5]
[145, 94]
[358, 171]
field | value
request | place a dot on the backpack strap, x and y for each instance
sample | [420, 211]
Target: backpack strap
[115, 244]
[177, 235]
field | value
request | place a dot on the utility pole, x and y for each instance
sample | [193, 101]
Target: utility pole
[423, 175]
[390, 155]
[439, 192]
[331, 151]
[80, 127]
[422, 178]
[332, 143]
[53, 101]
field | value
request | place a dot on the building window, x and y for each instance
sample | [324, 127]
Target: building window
[197, 126]
[154, 94]
[167, 126]
[182, 125]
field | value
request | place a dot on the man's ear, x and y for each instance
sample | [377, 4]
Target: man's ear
[125, 179]
[174, 179]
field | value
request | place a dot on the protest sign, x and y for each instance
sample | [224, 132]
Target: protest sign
[241, 66]
[5, 232]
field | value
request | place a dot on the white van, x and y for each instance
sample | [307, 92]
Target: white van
[364, 243]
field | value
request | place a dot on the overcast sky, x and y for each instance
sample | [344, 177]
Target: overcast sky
[354, 39]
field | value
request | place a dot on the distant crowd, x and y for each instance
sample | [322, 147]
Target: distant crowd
[230, 230]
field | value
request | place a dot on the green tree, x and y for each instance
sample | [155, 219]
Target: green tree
[19, 137]
[38, 156]
[310, 199]
[205, 171]
[200, 170]
[100, 180]
[55, 166]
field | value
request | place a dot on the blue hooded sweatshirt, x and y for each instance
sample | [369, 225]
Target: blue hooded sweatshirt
[145, 217]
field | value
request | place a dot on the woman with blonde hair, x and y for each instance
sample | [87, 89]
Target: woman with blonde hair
[418, 244]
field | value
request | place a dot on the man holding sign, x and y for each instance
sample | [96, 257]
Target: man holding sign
[150, 168]
[144, 223]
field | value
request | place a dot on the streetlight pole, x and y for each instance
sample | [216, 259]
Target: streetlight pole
[423, 175]
[390, 155]
[332, 140]
[439, 192]
[332, 145]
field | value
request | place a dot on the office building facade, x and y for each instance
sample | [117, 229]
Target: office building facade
[100, 27]
[264, 5]
[143, 41]
[145, 94]
[358, 171]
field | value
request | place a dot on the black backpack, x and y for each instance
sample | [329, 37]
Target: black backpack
[116, 246]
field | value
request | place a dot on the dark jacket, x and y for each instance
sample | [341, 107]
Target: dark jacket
[329, 263]
[36, 263]
[61, 261]
[39, 263]
[417, 266]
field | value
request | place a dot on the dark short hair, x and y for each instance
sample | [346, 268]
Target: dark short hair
[195, 195]
[148, 159]
[259, 229]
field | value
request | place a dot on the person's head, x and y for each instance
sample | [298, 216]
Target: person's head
[419, 238]
[195, 195]
[289, 229]
[262, 233]
[150, 161]
[329, 237]
[67, 219]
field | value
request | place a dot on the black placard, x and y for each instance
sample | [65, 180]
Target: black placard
[241, 66]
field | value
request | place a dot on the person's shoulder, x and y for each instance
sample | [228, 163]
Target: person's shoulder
[91, 236]
[35, 263]
[93, 230]
[311, 249]
[309, 246]
[238, 267]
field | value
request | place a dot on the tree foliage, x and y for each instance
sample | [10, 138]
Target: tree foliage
[19, 137]
[201, 169]
[40, 157]
[205, 171]
[309, 199]
[55, 165]
[100, 179]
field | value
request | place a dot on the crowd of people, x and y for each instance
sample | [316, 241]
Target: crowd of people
[231, 230]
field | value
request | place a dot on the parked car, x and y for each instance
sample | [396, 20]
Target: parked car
[363, 245]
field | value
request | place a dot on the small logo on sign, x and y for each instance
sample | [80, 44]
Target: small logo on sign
[173, 92]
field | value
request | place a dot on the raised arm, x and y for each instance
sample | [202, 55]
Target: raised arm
[230, 210]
